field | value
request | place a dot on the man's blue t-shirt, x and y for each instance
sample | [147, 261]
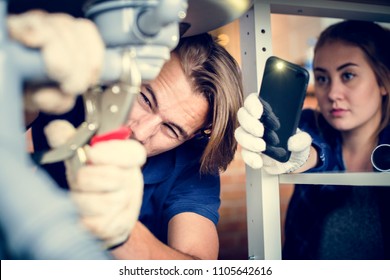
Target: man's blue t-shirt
[172, 181]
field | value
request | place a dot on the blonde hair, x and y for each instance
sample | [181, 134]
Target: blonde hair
[216, 75]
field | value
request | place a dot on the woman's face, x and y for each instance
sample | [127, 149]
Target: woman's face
[167, 111]
[346, 87]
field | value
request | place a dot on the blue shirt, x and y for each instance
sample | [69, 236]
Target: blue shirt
[174, 185]
[336, 222]
[172, 181]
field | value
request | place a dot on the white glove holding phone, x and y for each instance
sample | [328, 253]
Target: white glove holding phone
[73, 53]
[108, 190]
[252, 135]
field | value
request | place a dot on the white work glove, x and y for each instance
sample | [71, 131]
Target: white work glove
[108, 190]
[256, 134]
[73, 53]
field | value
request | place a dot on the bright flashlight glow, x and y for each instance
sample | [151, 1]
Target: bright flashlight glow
[279, 65]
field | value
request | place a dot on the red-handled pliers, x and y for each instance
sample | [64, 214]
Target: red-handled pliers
[106, 112]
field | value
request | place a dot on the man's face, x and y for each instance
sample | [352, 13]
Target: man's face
[167, 111]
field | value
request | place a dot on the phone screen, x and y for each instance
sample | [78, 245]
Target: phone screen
[283, 87]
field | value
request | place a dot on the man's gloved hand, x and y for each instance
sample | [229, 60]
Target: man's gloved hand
[73, 53]
[256, 133]
[108, 190]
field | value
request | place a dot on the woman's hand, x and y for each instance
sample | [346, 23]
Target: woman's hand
[257, 132]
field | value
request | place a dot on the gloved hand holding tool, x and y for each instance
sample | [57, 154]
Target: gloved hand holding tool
[73, 53]
[108, 189]
[103, 166]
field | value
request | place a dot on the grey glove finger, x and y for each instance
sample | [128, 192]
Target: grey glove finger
[269, 119]
[275, 151]
[270, 137]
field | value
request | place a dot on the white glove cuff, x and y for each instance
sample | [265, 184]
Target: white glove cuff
[304, 156]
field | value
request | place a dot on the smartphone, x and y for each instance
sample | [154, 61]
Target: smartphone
[283, 87]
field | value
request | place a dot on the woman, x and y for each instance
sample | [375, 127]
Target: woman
[352, 84]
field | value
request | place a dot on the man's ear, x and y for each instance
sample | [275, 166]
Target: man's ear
[202, 133]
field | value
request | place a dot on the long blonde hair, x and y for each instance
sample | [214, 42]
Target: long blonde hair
[214, 73]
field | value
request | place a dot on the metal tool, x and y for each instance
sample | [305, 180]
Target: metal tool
[106, 112]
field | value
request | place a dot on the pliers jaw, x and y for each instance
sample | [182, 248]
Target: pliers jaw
[106, 112]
